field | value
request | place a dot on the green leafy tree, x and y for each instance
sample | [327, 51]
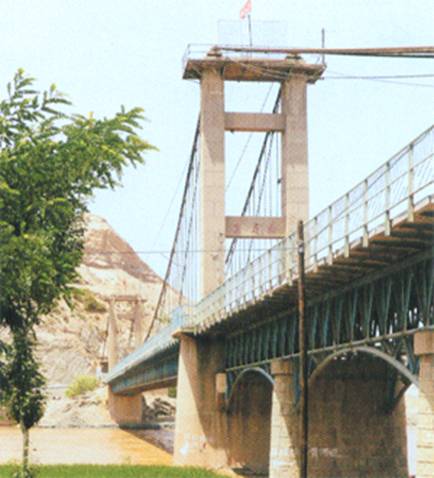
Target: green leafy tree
[51, 163]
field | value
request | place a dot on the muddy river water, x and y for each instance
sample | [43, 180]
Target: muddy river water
[108, 446]
[89, 445]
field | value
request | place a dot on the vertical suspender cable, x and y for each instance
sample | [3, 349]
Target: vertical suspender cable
[178, 230]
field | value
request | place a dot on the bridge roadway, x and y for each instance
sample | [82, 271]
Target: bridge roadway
[369, 286]
[370, 325]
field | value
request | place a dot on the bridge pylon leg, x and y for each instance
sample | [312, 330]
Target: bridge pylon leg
[424, 347]
[284, 449]
[200, 426]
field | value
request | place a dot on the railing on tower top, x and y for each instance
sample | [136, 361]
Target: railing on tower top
[198, 51]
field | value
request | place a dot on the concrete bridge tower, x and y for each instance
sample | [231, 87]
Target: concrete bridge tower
[214, 71]
[202, 429]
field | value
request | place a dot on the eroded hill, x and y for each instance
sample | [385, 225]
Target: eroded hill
[73, 340]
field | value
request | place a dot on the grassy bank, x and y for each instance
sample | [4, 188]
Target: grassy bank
[112, 471]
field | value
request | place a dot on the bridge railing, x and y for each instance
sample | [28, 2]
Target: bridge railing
[389, 194]
[157, 343]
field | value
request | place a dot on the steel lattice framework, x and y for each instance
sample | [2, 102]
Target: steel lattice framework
[377, 315]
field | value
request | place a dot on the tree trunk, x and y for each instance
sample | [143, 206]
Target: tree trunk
[25, 463]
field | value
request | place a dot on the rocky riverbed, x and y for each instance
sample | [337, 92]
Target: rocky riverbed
[90, 410]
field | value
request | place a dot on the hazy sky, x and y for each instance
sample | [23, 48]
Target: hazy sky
[105, 53]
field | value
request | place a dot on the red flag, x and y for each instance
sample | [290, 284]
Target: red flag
[247, 8]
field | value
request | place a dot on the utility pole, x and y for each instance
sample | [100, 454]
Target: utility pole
[302, 338]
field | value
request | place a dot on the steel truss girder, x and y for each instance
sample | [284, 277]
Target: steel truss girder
[154, 374]
[378, 317]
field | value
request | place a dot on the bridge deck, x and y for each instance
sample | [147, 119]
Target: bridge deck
[384, 249]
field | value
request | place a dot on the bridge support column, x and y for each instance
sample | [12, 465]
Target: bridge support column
[284, 453]
[200, 426]
[424, 347]
[212, 179]
[125, 410]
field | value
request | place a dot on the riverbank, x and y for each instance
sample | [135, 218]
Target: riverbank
[92, 446]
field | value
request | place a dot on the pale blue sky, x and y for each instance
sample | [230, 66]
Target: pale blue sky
[104, 53]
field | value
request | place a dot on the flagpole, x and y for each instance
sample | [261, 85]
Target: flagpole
[250, 30]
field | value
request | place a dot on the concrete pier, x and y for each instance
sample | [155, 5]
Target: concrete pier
[200, 427]
[284, 448]
[125, 410]
[424, 347]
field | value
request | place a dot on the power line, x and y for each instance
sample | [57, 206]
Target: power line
[278, 76]
[383, 78]
[402, 83]
[378, 77]
[179, 251]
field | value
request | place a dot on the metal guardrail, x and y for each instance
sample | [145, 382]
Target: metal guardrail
[386, 195]
[200, 51]
[159, 342]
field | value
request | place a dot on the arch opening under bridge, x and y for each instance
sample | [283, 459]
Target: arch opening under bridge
[249, 421]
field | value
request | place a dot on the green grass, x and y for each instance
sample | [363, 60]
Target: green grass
[111, 471]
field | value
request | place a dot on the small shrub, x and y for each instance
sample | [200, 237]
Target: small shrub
[171, 392]
[89, 301]
[93, 305]
[81, 384]
[78, 294]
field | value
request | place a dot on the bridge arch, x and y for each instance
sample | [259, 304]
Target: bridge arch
[372, 351]
[249, 420]
[242, 376]
[361, 394]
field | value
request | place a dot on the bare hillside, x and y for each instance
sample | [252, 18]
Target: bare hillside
[72, 340]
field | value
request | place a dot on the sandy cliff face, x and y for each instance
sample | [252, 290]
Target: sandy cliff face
[111, 267]
[73, 340]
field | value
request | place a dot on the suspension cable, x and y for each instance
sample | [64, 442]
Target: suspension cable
[178, 229]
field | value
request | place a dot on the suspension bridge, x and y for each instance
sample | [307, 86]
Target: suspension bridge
[225, 329]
